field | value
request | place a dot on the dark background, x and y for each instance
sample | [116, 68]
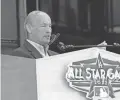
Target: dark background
[74, 25]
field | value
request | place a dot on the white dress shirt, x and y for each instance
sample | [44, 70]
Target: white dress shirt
[40, 48]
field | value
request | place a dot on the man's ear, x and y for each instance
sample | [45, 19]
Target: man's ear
[29, 28]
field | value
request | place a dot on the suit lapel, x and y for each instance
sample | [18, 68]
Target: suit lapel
[49, 53]
[34, 52]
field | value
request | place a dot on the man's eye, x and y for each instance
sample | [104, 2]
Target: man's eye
[46, 25]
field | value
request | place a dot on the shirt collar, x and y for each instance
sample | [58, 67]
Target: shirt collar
[39, 47]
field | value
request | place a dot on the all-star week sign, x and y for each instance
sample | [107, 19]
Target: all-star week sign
[100, 74]
[81, 75]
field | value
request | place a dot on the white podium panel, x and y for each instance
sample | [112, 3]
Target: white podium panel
[51, 74]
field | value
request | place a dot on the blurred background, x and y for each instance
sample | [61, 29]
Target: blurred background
[79, 22]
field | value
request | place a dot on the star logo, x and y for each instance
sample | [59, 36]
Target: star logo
[95, 77]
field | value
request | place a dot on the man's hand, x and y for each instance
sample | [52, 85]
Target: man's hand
[103, 43]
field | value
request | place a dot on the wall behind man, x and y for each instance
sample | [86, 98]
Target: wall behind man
[116, 12]
[9, 33]
[8, 20]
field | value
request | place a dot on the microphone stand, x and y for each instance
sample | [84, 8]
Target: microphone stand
[64, 47]
[81, 46]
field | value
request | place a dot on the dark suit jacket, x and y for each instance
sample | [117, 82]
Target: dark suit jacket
[29, 51]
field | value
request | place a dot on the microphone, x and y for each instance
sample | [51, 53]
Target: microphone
[61, 46]
[64, 47]
[54, 38]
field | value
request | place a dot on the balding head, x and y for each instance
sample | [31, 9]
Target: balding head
[38, 26]
[35, 16]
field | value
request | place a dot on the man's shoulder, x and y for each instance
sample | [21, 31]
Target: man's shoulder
[21, 52]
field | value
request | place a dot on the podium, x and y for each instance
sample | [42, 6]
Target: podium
[18, 78]
[49, 79]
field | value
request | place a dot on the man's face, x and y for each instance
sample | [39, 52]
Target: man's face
[41, 30]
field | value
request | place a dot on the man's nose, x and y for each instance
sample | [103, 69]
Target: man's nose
[49, 30]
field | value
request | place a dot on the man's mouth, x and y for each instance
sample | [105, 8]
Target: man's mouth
[47, 37]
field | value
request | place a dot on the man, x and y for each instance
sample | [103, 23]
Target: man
[38, 26]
